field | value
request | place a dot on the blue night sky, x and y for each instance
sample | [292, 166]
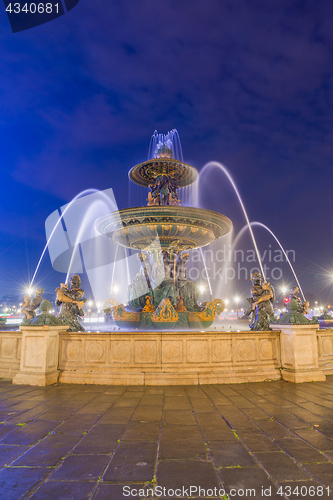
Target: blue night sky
[248, 84]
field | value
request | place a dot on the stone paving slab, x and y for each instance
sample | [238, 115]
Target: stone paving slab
[238, 441]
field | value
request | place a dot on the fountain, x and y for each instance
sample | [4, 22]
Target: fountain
[162, 333]
[161, 295]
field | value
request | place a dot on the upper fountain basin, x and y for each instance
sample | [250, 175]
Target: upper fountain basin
[145, 173]
[177, 227]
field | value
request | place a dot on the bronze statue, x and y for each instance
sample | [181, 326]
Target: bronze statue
[45, 318]
[141, 283]
[30, 305]
[70, 298]
[261, 303]
[256, 290]
[263, 308]
[162, 280]
[294, 295]
[185, 287]
[163, 191]
[296, 311]
[306, 307]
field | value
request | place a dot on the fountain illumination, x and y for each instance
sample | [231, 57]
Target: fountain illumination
[161, 295]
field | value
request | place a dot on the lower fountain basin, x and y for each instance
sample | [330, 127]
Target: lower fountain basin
[180, 227]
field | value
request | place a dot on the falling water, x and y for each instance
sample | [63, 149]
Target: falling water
[215, 164]
[83, 193]
[85, 224]
[207, 275]
[127, 266]
[278, 242]
[189, 194]
[113, 269]
[171, 139]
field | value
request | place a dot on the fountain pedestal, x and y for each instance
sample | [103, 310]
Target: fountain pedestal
[299, 353]
[39, 355]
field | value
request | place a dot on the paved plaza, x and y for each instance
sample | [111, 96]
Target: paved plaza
[257, 440]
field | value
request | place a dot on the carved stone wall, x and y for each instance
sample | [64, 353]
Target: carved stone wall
[10, 353]
[168, 357]
[325, 350]
[299, 353]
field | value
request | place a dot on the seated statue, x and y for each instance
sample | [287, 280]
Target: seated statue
[153, 201]
[185, 287]
[256, 292]
[70, 298]
[263, 308]
[163, 191]
[140, 286]
[162, 282]
[294, 296]
[30, 305]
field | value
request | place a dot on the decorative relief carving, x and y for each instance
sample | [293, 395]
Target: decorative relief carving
[51, 354]
[246, 350]
[171, 351]
[327, 346]
[7, 348]
[196, 351]
[120, 351]
[94, 351]
[145, 351]
[287, 350]
[267, 350]
[33, 355]
[222, 350]
[72, 351]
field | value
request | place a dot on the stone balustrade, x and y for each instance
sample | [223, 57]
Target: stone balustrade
[50, 354]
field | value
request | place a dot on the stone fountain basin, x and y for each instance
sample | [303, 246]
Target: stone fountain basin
[176, 227]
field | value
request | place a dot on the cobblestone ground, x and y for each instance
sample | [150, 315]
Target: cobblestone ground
[74, 442]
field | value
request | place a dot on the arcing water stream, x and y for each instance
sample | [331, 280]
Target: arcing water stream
[215, 164]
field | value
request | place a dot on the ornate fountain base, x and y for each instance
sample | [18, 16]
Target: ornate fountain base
[165, 316]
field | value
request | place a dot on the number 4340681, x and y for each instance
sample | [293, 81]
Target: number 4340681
[33, 8]
[312, 491]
